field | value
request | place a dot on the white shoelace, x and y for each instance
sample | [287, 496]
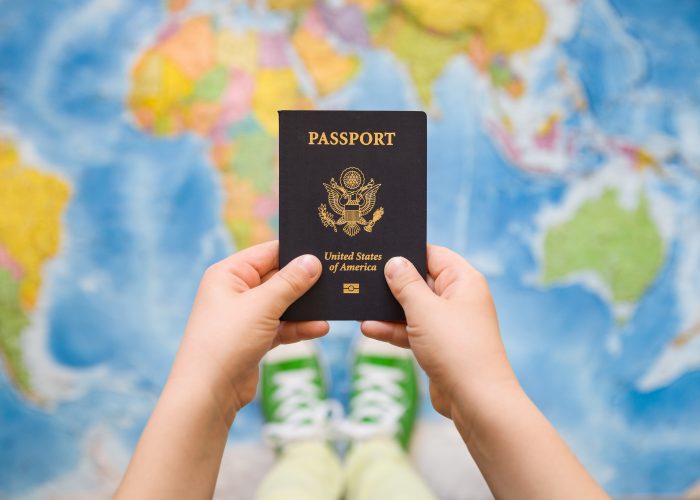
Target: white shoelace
[302, 412]
[375, 410]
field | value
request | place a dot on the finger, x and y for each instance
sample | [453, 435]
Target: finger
[287, 285]
[407, 285]
[245, 268]
[294, 331]
[449, 270]
[386, 331]
[268, 276]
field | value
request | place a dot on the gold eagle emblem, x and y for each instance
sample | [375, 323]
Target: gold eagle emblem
[352, 200]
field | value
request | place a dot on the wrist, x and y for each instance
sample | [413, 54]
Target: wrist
[195, 372]
[202, 395]
[473, 406]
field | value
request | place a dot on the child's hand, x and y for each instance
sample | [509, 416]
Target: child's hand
[235, 321]
[451, 326]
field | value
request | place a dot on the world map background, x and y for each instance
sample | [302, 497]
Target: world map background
[138, 145]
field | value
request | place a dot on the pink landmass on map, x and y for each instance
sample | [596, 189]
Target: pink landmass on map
[273, 51]
[7, 262]
[238, 99]
[348, 23]
[548, 139]
[265, 207]
[314, 23]
[170, 29]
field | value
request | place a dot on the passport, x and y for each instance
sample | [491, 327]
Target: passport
[352, 192]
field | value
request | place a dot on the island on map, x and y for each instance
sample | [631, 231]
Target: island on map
[622, 248]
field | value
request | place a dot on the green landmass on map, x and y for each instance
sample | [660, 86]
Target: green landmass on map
[425, 53]
[255, 160]
[12, 322]
[623, 247]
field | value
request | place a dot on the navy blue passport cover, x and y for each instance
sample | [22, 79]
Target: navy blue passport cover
[352, 191]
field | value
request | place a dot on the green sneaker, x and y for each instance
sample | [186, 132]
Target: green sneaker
[385, 393]
[293, 395]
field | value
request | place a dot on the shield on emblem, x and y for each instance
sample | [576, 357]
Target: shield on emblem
[352, 212]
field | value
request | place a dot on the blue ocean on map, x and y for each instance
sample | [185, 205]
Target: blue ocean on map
[610, 103]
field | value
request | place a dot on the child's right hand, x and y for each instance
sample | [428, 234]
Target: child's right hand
[451, 326]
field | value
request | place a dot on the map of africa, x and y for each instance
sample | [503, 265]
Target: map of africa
[138, 144]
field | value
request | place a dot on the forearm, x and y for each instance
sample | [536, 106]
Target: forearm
[180, 450]
[517, 450]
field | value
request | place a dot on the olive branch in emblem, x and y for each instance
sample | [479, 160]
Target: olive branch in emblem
[326, 219]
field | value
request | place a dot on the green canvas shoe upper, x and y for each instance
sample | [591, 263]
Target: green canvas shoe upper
[384, 394]
[293, 395]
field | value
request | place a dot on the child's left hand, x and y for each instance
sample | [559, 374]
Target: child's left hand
[235, 321]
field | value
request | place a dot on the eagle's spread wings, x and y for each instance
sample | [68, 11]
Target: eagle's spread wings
[370, 199]
[334, 199]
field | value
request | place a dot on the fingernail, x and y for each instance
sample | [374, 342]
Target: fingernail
[309, 263]
[395, 266]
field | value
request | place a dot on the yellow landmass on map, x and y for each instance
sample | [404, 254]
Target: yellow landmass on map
[275, 89]
[9, 156]
[31, 205]
[289, 4]
[425, 53]
[245, 226]
[450, 16]
[239, 203]
[645, 159]
[329, 69]
[507, 25]
[237, 50]
[514, 25]
[158, 90]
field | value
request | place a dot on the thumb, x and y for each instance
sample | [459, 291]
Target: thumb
[407, 285]
[288, 284]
